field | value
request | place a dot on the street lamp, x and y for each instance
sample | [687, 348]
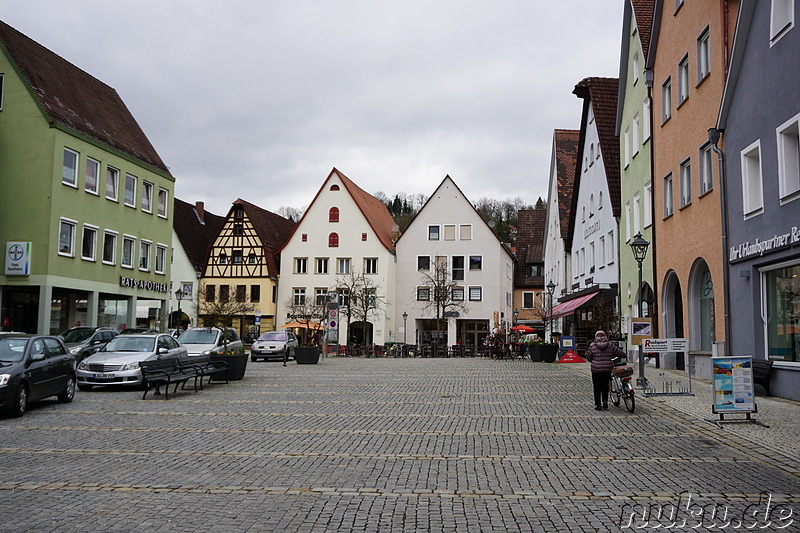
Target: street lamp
[639, 248]
[405, 318]
[179, 297]
[516, 316]
[551, 288]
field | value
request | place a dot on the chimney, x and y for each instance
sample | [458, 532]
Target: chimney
[199, 207]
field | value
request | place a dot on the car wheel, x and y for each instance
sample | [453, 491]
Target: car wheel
[68, 394]
[253, 358]
[84, 388]
[20, 404]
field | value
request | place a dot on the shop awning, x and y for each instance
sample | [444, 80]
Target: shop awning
[568, 307]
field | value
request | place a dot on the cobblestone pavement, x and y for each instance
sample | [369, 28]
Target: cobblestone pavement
[394, 445]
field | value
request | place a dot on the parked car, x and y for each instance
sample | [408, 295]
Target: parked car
[83, 341]
[202, 341]
[274, 345]
[138, 331]
[117, 363]
[33, 367]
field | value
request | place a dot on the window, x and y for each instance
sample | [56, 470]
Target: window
[465, 232]
[686, 183]
[583, 214]
[591, 154]
[223, 258]
[703, 56]
[321, 265]
[648, 204]
[89, 243]
[600, 200]
[601, 248]
[112, 183]
[627, 141]
[637, 213]
[187, 288]
[333, 214]
[161, 259]
[706, 169]
[343, 265]
[789, 159]
[683, 79]
[333, 240]
[475, 294]
[130, 190]
[364, 237]
[238, 212]
[69, 171]
[66, 237]
[781, 19]
[147, 197]
[224, 293]
[458, 267]
[92, 175]
[304, 237]
[668, 205]
[371, 265]
[299, 296]
[678, 4]
[635, 134]
[320, 296]
[433, 233]
[238, 257]
[449, 232]
[666, 100]
[646, 119]
[610, 244]
[128, 244]
[635, 67]
[458, 294]
[628, 221]
[255, 293]
[109, 247]
[211, 293]
[301, 265]
[475, 262]
[334, 187]
[238, 229]
[782, 286]
[591, 205]
[144, 255]
[343, 295]
[241, 293]
[423, 262]
[162, 202]
[423, 294]
[2, 79]
[528, 300]
[752, 194]
[252, 258]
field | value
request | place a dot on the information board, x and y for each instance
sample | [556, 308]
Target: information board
[733, 384]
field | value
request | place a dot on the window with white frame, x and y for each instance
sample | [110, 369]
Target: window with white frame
[112, 183]
[89, 243]
[144, 255]
[321, 296]
[91, 176]
[752, 193]
[706, 168]
[161, 259]
[781, 19]
[591, 257]
[668, 202]
[646, 119]
[301, 265]
[686, 183]
[322, 265]
[635, 67]
[648, 204]
[628, 221]
[130, 190]
[635, 134]
[458, 267]
[299, 296]
[370, 265]
[69, 170]
[433, 233]
[789, 159]
[666, 99]
[162, 202]
[458, 294]
[475, 294]
[683, 79]
[423, 262]
[343, 265]
[423, 294]
[66, 237]
[627, 144]
[528, 300]
[637, 214]
[449, 232]
[475, 263]
[147, 197]
[610, 245]
[703, 55]
[465, 232]
[109, 247]
[128, 246]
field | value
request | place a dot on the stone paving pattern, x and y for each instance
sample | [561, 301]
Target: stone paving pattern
[387, 444]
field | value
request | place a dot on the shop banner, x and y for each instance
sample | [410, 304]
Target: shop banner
[733, 384]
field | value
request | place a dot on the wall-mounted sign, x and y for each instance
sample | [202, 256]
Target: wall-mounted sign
[761, 247]
[144, 285]
[18, 258]
[665, 345]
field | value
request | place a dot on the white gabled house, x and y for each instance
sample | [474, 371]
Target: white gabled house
[345, 233]
[478, 282]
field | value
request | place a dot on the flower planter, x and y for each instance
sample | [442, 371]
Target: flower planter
[306, 355]
[236, 367]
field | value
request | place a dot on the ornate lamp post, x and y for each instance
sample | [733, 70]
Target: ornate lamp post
[639, 248]
[551, 288]
[405, 319]
[179, 297]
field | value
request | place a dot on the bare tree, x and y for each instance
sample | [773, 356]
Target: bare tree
[219, 310]
[445, 295]
[359, 299]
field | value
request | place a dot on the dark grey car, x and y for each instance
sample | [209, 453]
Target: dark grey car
[278, 345]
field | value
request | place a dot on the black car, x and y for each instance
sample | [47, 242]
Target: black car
[33, 367]
[83, 341]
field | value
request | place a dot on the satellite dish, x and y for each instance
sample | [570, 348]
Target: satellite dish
[492, 224]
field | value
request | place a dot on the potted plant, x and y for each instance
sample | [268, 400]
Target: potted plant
[542, 351]
[306, 355]
[236, 361]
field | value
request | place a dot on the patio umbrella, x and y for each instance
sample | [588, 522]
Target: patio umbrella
[522, 328]
[309, 325]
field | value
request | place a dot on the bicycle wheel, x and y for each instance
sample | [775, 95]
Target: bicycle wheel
[627, 395]
[613, 392]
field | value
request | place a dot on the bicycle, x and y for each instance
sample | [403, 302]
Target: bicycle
[620, 387]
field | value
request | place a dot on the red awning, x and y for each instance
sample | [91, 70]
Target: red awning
[568, 307]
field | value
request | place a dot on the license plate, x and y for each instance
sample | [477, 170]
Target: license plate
[103, 376]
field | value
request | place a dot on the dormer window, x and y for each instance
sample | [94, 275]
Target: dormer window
[333, 214]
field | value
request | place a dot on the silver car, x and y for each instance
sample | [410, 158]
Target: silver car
[117, 363]
[204, 341]
[274, 345]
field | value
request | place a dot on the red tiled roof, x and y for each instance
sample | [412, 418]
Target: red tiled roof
[75, 99]
[566, 145]
[373, 210]
[195, 235]
[643, 13]
[530, 246]
[273, 230]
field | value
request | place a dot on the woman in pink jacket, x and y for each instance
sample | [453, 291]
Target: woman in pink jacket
[600, 353]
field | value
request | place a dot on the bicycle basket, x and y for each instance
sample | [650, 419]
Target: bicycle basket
[623, 371]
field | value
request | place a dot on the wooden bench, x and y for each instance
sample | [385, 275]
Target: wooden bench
[204, 366]
[762, 372]
[165, 372]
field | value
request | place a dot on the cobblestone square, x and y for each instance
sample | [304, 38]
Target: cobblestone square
[384, 444]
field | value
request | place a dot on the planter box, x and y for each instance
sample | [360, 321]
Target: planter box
[544, 352]
[306, 356]
[236, 367]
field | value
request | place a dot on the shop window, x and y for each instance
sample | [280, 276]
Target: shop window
[783, 308]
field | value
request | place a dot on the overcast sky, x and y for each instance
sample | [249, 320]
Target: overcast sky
[260, 99]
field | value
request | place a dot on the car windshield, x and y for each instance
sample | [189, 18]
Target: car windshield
[12, 350]
[199, 336]
[273, 336]
[77, 335]
[129, 343]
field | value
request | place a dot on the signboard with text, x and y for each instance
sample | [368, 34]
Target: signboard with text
[18, 258]
[665, 345]
[733, 384]
[641, 329]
